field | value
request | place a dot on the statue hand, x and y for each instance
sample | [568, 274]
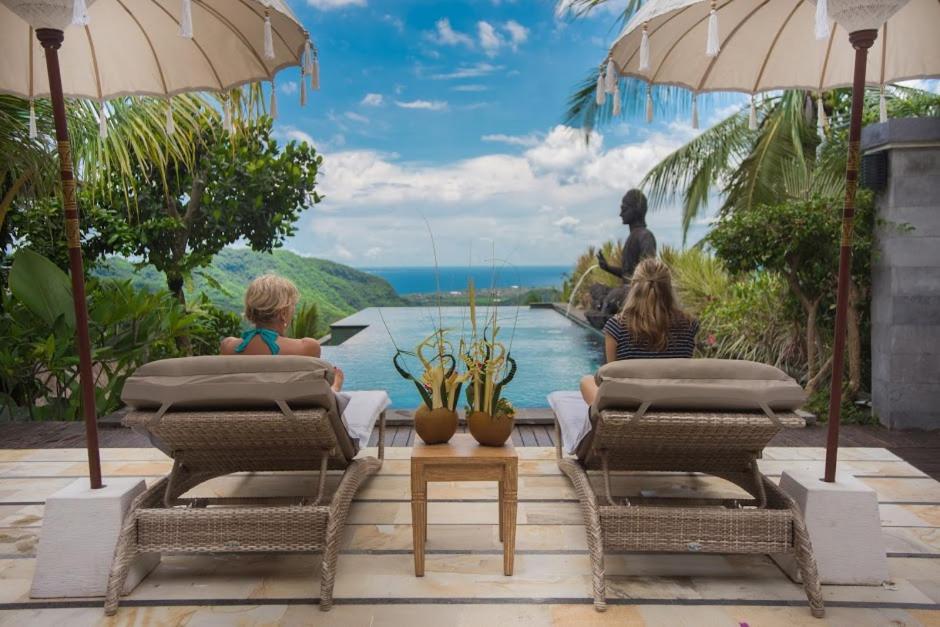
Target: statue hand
[601, 261]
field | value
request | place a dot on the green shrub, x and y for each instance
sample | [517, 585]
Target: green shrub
[127, 326]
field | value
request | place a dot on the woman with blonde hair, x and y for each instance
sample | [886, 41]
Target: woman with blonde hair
[651, 324]
[270, 304]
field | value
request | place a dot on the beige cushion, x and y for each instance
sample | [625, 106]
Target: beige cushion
[695, 384]
[231, 382]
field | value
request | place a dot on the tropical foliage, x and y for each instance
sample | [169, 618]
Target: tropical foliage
[241, 187]
[128, 327]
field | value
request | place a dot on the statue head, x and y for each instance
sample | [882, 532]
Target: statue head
[633, 208]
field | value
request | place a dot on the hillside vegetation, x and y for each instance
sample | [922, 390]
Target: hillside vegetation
[337, 290]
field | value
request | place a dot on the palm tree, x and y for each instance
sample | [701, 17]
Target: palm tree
[136, 140]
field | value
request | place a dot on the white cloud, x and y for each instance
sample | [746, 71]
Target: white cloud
[372, 100]
[447, 36]
[356, 117]
[513, 140]
[469, 71]
[544, 205]
[490, 40]
[327, 5]
[287, 133]
[289, 87]
[396, 22]
[567, 224]
[429, 105]
[518, 34]
[470, 88]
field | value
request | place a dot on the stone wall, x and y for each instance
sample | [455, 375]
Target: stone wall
[906, 275]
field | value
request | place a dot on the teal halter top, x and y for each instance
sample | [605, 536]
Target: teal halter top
[268, 336]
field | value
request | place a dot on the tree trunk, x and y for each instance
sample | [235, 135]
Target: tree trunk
[812, 309]
[853, 343]
[174, 282]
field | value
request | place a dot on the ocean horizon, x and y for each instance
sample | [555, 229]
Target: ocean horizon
[424, 280]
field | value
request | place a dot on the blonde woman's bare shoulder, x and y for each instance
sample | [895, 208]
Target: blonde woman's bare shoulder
[306, 347]
[228, 345]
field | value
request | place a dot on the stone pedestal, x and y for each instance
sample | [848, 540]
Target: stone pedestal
[79, 532]
[905, 304]
[844, 526]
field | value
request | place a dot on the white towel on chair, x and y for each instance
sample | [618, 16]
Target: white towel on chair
[573, 418]
[362, 411]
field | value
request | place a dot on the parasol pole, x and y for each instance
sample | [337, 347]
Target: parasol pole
[861, 40]
[51, 39]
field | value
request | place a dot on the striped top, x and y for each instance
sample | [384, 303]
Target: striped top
[681, 341]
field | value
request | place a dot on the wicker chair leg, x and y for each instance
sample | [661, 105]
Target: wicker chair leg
[806, 563]
[357, 472]
[592, 525]
[126, 549]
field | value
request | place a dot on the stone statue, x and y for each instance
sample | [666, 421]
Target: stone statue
[640, 244]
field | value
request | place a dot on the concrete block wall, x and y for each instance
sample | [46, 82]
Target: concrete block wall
[906, 275]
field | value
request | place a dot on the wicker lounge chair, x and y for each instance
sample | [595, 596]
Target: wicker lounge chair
[291, 423]
[641, 435]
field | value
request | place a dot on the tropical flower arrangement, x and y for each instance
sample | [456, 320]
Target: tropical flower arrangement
[481, 365]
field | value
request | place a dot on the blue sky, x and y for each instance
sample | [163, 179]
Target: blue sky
[454, 111]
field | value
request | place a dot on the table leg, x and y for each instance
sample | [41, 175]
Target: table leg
[419, 517]
[507, 508]
[502, 518]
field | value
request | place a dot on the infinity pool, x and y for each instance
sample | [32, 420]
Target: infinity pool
[552, 352]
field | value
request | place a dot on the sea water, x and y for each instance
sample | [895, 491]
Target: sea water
[412, 280]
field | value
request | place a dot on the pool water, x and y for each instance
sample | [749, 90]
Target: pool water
[552, 352]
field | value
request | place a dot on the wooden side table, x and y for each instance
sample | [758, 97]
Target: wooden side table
[462, 459]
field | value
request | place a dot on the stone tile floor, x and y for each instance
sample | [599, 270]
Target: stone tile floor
[463, 583]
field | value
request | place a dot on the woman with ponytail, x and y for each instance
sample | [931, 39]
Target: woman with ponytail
[650, 326]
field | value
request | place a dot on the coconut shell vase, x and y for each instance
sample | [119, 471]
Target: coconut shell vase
[490, 430]
[435, 426]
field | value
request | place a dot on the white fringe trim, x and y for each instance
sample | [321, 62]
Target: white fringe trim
[33, 131]
[273, 109]
[268, 38]
[79, 13]
[712, 46]
[645, 51]
[186, 19]
[752, 118]
[822, 19]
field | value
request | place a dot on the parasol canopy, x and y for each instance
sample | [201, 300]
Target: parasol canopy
[766, 45]
[135, 47]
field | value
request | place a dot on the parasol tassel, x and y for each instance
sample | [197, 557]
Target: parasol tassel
[79, 13]
[308, 57]
[712, 47]
[102, 121]
[268, 38]
[599, 93]
[883, 106]
[695, 111]
[186, 19]
[649, 105]
[616, 100]
[273, 110]
[645, 50]
[822, 121]
[822, 19]
[227, 125]
[610, 77]
[303, 88]
[752, 118]
[33, 131]
[170, 121]
[315, 71]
